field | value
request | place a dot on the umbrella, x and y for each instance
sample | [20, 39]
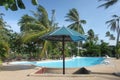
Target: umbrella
[64, 34]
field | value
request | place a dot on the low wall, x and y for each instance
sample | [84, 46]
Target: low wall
[60, 70]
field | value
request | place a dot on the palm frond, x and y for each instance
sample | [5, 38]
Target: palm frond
[107, 34]
[72, 15]
[70, 18]
[112, 37]
[83, 21]
[113, 26]
[43, 16]
[115, 16]
[75, 13]
[71, 26]
[32, 36]
[108, 3]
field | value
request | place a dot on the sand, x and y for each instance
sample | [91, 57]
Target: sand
[98, 72]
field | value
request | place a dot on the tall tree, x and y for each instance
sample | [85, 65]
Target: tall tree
[36, 27]
[25, 23]
[92, 37]
[76, 22]
[107, 34]
[114, 26]
[108, 3]
[111, 36]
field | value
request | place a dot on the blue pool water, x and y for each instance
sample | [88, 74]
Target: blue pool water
[76, 62]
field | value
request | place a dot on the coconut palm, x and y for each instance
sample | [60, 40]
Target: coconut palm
[107, 34]
[108, 3]
[73, 17]
[46, 25]
[111, 36]
[25, 23]
[114, 26]
[34, 27]
[91, 35]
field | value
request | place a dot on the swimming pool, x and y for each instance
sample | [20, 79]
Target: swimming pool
[75, 62]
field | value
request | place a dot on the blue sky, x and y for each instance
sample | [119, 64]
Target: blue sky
[95, 17]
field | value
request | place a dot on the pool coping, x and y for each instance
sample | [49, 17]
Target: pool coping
[59, 75]
[44, 74]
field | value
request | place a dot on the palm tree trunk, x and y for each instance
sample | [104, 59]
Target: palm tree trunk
[117, 42]
[117, 45]
[78, 41]
[78, 46]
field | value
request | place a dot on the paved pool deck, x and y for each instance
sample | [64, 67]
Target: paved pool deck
[98, 72]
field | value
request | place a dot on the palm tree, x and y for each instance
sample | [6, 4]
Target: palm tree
[114, 26]
[73, 17]
[107, 34]
[111, 36]
[34, 27]
[108, 3]
[91, 35]
[25, 23]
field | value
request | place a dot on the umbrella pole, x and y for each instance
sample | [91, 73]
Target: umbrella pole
[63, 56]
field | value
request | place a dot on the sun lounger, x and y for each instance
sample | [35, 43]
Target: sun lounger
[107, 56]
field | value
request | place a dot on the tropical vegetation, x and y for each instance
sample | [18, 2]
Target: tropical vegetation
[28, 44]
[113, 23]
[114, 26]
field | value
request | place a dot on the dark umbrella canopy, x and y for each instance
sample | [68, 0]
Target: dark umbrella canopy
[64, 34]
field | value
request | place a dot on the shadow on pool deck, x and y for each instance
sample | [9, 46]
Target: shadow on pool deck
[16, 67]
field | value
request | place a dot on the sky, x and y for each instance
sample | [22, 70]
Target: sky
[87, 9]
